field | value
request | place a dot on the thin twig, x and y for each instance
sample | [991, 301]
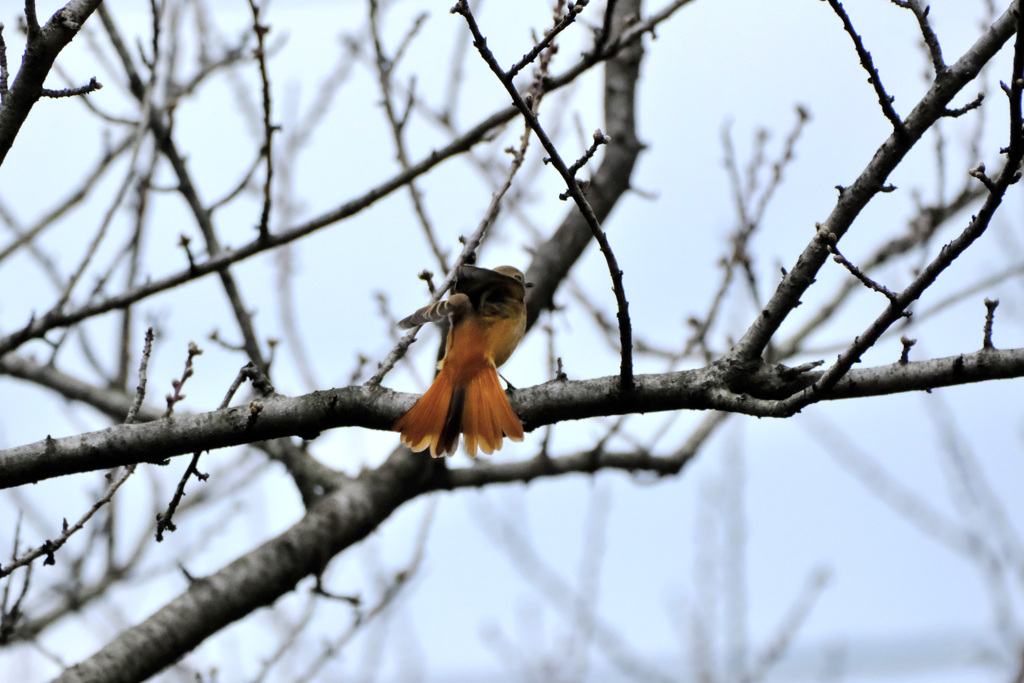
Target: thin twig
[250, 371]
[970, 106]
[907, 345]
[560, 25]
[931, 41]
[216, 263]
[857, 273]
[178, 384]
[750, 217]
[625, 329]
[50, 547]
[10, 617]
[140, 390]
[884, 99]
[397, 122]
[92, 86]
[990, 314]
[260, 30]
[241, 185]
[599, 139]
[362, 617]
[133, 252]
[490, 215]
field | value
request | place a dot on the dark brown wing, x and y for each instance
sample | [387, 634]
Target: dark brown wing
[481, 285]
[454, 306]
[473, 287]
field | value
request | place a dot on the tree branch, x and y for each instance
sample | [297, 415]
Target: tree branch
[872, 180]
[44, 44]
[529, 115]
[256, 579]
[547, 270]
[763, 393]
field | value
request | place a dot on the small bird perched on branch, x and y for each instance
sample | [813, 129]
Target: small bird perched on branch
[488, 319]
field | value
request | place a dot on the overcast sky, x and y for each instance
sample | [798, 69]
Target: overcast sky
[501, 565]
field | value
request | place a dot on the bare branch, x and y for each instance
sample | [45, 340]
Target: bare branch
[526, 109]
[599, 140]
[853, 199]
[575, 9]
[177, 384]
[364, 616]
[375, 407]
[45, 43]
[490, 215]
[931, 41]
[385, 70]
[857, 273]
[50, 547]
[907, 345]
[884, 98]
[140, 391]
[269, 128]
[164, 520]
[92, 86]
[990, 314]
[970, 106]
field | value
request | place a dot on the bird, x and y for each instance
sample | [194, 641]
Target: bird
[487, 316]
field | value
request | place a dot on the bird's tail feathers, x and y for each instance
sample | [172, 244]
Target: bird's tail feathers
[487, 414]
[478, 409]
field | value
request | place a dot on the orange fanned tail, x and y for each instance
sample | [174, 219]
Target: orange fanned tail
[480, 411]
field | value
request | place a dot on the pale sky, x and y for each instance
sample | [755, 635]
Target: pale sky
[899, 605]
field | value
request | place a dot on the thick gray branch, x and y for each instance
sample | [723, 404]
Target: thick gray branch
[759, 392]
[256, 579]
[348, 514]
